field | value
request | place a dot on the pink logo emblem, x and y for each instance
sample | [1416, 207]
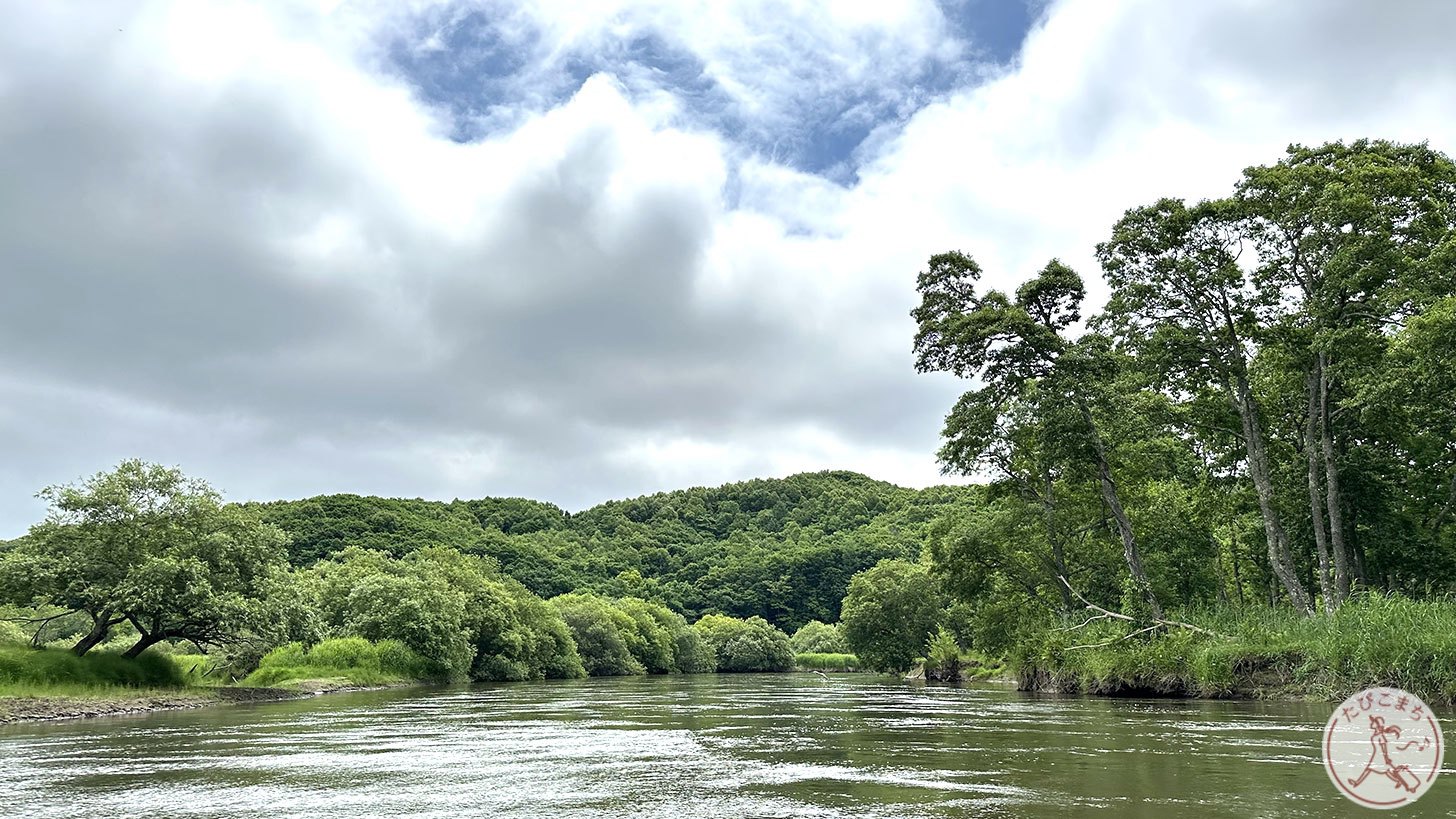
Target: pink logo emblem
[1383, 748]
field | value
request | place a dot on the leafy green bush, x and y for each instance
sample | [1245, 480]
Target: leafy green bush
[454, 610]
[600, 631]
[746, 645]
[943, 656]
[818, 638]
[12, 633]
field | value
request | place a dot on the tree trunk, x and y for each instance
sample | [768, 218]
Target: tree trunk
[100, 628]
[1312, 447]
[1054, 540]
[1333, 496]
[1446, 508]
[1234, 563]
[1124, 526]
[146, 642]
[1281, 563]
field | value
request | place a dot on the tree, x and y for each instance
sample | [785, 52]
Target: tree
[144, 544]
[1352, 240]
[1284, 298]
[889, 613]
[818, 638]
[602, 634]
[1180, 299]
[745, 645]
[1013, 346]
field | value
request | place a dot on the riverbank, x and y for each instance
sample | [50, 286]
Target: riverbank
[79, 704]
[44, 684]
[1266, 654]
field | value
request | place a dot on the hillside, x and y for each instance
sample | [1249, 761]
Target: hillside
[783, 549]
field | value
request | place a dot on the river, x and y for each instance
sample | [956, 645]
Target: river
[721, 746]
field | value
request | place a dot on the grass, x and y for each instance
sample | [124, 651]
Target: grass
[1373, 640]
[24, 669]
[813, 661]
[353, 660]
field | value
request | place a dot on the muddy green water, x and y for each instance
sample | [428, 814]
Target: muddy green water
[712, 746]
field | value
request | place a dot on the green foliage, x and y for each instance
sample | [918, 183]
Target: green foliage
[12, 633]
[632, 636]
[818, 638]
[23, 667]
[602, 633]
[1374, 640]
[454, 610]
[200, 669]
[745, 645]
[781, 549]
[359, 661]
[889, 613]
[816, 661]
[145, 545]
[943, 655]
[324, 526]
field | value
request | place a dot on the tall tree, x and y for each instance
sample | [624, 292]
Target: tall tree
[1182, 301]
[1353, 239]
[1011, 344]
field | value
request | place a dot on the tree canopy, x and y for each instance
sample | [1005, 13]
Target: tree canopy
[145, 545]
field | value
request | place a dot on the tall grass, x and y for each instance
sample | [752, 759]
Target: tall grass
[353, 659]
[817, 661]
[1373, 640]
[26, 670]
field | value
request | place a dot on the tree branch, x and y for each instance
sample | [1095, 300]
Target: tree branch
[1104, 614]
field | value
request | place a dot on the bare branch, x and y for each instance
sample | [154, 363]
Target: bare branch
[1104, 614]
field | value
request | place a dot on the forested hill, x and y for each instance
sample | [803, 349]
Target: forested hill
[783, 549]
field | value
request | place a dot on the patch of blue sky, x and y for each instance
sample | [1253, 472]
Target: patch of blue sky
[489, 71]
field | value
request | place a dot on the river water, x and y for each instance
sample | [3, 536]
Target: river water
[721, 746]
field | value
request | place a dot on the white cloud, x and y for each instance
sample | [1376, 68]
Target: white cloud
[232, 238]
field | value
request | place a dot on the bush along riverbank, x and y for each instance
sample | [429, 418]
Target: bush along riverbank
[1372, 640]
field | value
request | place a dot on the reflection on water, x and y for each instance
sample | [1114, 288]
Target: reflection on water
[710, 746]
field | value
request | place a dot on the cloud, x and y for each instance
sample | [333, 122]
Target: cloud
[252, 241]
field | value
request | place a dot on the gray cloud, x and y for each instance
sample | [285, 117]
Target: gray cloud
[229, 241]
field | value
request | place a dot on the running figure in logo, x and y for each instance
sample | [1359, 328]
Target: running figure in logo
[1380, 761]
[1386, 732]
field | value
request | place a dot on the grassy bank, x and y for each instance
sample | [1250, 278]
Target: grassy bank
[1261, 653]
[53, 683]
[349, 661]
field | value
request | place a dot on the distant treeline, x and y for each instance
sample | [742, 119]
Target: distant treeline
[781, 549]
[694, 581]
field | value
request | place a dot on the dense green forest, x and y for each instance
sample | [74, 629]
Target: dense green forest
[1261, 420]
[783, 550]
[1242, 469]
[496, 589]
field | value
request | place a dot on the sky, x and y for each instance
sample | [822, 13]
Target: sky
[593, 249]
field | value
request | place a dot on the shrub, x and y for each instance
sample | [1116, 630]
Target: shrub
[746, 645]
[942, 656]
[352, 658]
[818, 638]
[599, 632]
